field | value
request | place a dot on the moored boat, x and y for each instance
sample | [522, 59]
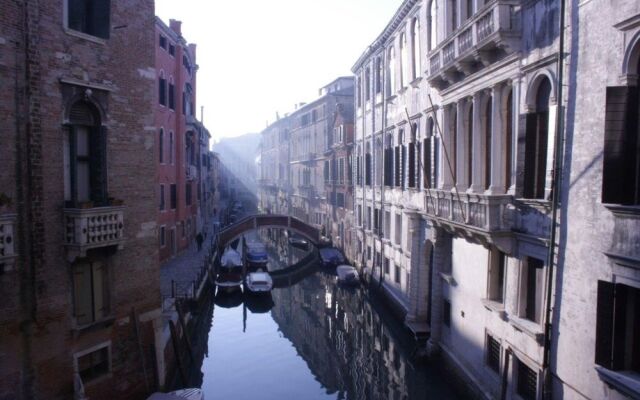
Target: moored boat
[259, 282]
[257, 255]
[230, 271]
[347, 275]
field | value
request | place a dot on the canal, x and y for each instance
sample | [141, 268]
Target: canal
[313, 340]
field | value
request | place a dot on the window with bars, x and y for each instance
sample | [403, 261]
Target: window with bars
[527, 384]
[493, 353]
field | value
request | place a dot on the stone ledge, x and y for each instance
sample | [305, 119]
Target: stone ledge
[626, 382]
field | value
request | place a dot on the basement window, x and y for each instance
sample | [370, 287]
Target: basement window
[93, 363]
[527, 383]
[89, 16]
[493, 353]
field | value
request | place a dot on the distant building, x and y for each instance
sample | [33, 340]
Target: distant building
[79, 271]
[182, 142]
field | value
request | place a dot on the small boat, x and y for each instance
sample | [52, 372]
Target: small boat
[259, 282]
[182, 394]
[347, 275]
[230, 270]
[257, 254]
[332, 257]
[299, 243]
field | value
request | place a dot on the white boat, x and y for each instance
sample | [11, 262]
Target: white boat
[347, 274]
[182, 394]
[258, 282]
[230, 270]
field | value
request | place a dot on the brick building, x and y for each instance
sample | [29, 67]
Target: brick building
[181, 141]
[78, 245]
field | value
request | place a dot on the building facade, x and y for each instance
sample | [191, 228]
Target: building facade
[79, 269]
[456, 114]
[180, 141]
[596, 336]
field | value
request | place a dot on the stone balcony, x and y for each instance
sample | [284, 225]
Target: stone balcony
[494, 29]
[7, 246]
[92, 228]
[488, 219]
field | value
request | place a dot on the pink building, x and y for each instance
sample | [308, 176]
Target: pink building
[177, 139]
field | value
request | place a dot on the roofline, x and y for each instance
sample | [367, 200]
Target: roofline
[398, 17]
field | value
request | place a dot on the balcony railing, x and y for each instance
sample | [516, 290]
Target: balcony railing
[487, 217]
[91, 228]
[493, 27]
[7, 247]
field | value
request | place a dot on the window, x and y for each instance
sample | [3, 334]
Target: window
[396, 166]
[94, 364]
[397, 274]
[398, 232]
[386, 266]
[90, 292]
[531, 287]
[527, 384]
[493, 353]
[163, 42]
[163, 237]
[369, 253]
[621, 164]
[173, 196]
[161, 146]
[446, 312]
[387, 225]
[391, 71]
[85, 157]
[161, 197]
[172, 50]
[488, 131]
[367, 168]
[433, 27]
[171, 147]
[162, 89]
[369, 218]
[367, 82]
[377, 214]
[340, 200]
[618, 327]
[341, 171]
[497, 262]
[188, 193]
[172, 90]
[378, 75]
[426, 158]
[536, 137]
[412, 165]
[89, 16]
[388, 166]
[403, 60]
[415, 54]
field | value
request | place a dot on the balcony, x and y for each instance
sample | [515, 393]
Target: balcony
[7, 249]
[488, 219]
[307, 191]
[493, 30]
[92, 228]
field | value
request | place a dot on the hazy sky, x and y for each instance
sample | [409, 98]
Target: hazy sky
[257, 57]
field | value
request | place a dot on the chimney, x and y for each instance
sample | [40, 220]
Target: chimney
[176, 26]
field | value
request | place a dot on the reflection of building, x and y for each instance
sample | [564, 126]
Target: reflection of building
[346, 343]
[455, 125]
[78, 248]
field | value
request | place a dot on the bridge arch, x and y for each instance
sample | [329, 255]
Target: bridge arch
[256, 221]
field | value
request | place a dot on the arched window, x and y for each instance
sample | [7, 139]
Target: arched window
[468, 157]
[432, 20]
[378, 73]
[368, 165]
[415, 31]
[172, 94]
[403, 60]
[536, 138]
[430, 165]
[85, 157]
[453, 132]
[391, 71]
[162, 89]
[171, 147]
[411, 173]
[508, 165]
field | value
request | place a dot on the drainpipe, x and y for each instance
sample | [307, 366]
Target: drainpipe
[555, 198]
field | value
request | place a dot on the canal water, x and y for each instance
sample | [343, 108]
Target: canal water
[315, 340]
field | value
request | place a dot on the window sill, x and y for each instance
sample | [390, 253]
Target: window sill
[496, 307]
[527, 327]
[85, 36]
[99, 324]
[624, 211]
[626, 382]
[448, 278]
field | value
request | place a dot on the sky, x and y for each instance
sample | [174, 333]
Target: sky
[259, 57]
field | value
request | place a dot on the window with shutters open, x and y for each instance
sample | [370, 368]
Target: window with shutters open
[85, 157]
[91, 17]
[90, 292]
[536, 142]
[618, 327]
[621, 158]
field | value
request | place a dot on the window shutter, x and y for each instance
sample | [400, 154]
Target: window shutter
[82, 294]
[100, 18]
[98, 165]
[604, 324]
[529, 156]
[99, 290]
[619, 326]
[619, 144]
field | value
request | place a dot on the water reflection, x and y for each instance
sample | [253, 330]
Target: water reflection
[318, 341]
